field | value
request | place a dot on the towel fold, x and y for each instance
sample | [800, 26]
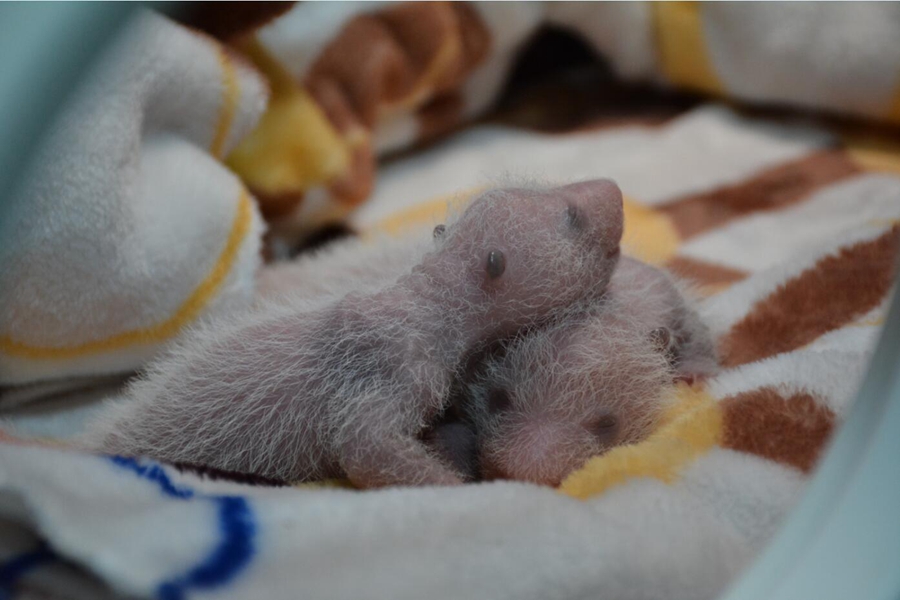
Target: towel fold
[128, 228]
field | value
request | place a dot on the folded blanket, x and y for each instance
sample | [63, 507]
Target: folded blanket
[355, 81]
[792, 240]
[128, 228]
[788, 229]
[837, 57]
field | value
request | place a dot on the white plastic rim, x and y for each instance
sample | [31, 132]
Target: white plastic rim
[842, 542]
[43, 50]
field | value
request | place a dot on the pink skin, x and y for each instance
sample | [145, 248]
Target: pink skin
[347, 389]
[595, 380]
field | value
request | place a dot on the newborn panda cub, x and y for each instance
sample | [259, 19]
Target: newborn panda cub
[302, 391]
[557, 396]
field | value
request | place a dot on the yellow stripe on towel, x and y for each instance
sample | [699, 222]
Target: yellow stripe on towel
[681, 47]
[430, 212]
[294, 146]
[187, 312]
[691, 428]
[873, 150]
[231, 95]
[649, 234]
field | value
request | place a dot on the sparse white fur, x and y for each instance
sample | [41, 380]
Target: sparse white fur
[301, 389]
[343, 266]
[593, 380]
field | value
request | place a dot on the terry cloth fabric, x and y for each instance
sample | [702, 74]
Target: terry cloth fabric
[128, 227]
[788, 228]
[837, 57]
[354, 81]
[790, 232]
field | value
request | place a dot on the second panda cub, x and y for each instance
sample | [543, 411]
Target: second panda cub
[551, 399]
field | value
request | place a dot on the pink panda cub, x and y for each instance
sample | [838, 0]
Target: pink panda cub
[559, 395]
[345, 387]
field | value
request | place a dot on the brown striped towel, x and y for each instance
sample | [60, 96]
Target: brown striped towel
[787, 225]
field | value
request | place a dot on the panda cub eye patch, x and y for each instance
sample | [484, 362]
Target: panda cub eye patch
[498, 401]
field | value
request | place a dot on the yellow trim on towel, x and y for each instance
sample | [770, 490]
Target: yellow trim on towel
[691, 428]
[681, 47]
[231, 95]
[874, 322]
[187, 312]
[294, 147]
[442, 64]
[873, 151]
[431, 212]
[649, 234]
